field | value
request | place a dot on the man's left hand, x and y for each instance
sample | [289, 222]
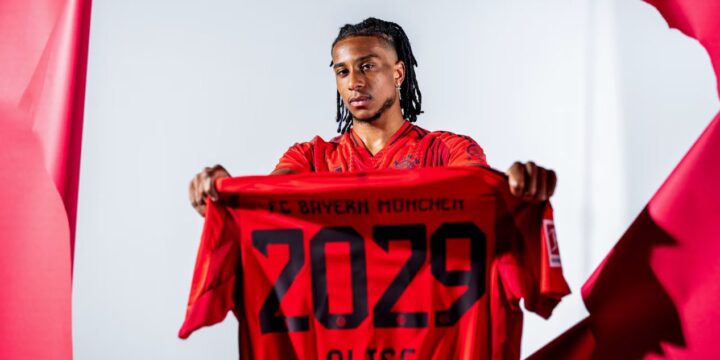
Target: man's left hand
[531, 182]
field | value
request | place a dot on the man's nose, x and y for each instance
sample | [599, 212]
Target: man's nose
[356, 80]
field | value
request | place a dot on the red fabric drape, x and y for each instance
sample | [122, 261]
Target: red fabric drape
[656, 294]
[43, 57]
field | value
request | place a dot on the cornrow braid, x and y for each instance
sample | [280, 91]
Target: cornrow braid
[410, 96]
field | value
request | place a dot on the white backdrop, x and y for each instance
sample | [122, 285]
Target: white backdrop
[602, 92]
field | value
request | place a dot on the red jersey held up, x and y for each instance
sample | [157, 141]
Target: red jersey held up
[410, 147]
[416, 264]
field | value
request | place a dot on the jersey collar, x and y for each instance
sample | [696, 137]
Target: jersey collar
[399, 134]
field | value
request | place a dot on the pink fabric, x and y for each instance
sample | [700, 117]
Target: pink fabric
[687, 208]
[43, 57]
[656, 294]
[43, 60]
[697, 19]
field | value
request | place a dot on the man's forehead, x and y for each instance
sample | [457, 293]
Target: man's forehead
[358, 47]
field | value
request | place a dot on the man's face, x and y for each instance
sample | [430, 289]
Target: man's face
[367, 73]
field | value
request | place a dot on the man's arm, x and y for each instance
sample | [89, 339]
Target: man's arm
[531, 182]
[202, 186]
[296, 159]
[283, 171]
[527, 180]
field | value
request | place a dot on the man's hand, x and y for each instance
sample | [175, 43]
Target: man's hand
[202, 186]
[531, 182]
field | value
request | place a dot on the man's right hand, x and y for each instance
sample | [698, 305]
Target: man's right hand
[202, 187]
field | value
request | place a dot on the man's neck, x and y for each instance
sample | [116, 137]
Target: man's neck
[375, 135]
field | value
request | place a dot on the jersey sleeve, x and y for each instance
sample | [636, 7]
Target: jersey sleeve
[298, 157]
[464, 151]
[533, 271]
[215, 275]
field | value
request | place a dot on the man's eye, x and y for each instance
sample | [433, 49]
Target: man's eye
[367, 66]
[342, 72]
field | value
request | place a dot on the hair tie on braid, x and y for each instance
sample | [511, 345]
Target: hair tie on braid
[410, 96]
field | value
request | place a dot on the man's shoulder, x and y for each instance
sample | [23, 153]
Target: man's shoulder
[461, 148]
[318, 143]
[445, 135]
[334, 141]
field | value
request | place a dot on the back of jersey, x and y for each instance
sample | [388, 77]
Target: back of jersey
[389, 265]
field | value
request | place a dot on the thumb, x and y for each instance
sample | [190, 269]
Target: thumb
[210, 188]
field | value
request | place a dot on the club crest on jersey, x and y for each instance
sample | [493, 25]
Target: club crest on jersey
[407, 163]
[553, 249]
[474, 151]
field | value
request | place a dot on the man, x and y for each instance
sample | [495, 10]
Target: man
[378, 100]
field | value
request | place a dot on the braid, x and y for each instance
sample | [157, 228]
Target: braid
[410, 96]
[343, 113]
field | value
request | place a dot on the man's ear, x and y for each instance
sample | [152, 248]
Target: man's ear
[399, 72]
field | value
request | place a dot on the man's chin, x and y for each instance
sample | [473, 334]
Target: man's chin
[364, 117]
[368, 116]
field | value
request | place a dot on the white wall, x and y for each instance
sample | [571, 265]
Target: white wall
[601, 92]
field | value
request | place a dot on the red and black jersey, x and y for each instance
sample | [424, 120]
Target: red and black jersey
[410, 147]
[416, 264]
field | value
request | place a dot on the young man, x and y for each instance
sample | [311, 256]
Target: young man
[378, 100]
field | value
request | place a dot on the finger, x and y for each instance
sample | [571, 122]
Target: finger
[216, 173]
[199, 191]
[194, 196]
[542, 185]
[205, 182]
[191, 192]
[209, 187]
[221, 172]
[552, 183]
[516, 178]
[217, 170]
[195, 191]
[531, 180]
[212, 192]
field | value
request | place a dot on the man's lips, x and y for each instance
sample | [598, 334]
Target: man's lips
[359, 101]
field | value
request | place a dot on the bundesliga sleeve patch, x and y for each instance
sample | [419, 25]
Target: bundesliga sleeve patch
[420, 264]
[551, 243]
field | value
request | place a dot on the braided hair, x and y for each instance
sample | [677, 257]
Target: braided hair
[410, 96]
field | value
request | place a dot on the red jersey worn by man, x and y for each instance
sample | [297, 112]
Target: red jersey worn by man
[410, 147]
[418, 264]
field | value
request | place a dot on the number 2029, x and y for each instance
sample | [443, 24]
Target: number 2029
[383, 317]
